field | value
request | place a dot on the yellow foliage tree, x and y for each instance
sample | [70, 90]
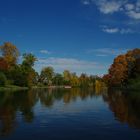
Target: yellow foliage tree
[10, 53]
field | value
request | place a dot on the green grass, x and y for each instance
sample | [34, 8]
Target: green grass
[12, 87]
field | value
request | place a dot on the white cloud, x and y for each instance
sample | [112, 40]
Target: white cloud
[86, 2]
[126, 7]
[127, 31]
[74, 65]
[138, 5]
[133, 10]
[101, 55]
[129, 6]
[111, 30]
[44, 51]
[109, 7]
[107, 51]
[134, 15]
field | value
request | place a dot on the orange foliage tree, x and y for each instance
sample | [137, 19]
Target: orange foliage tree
[3, 65]
[10, 53]
[123, 68]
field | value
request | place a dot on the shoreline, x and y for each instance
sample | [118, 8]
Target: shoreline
[12, 87]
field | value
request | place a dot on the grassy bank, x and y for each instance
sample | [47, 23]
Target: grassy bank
[12, 87]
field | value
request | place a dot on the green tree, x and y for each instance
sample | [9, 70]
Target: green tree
[27, 69]
[67, 77]
[92, 80]
[47, 75]
[17, 76]
[3, 79]
[29, 60]
[58, 79]
[84, 80]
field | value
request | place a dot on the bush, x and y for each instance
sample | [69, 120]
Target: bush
[134, 83]
[3, 79]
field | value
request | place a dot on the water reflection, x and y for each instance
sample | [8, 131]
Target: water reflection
[67, 95]
[124, 105]
[23, 102]
[10, 104]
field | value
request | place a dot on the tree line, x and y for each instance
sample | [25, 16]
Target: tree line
[24, 74]
[125, 70]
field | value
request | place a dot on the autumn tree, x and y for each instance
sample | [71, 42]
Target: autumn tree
[74, 80]
[123, 68]
[135, 68]
[24, 74]
[18, 74]
[107, 79]
[10, 53]
[3, 65]
[119, 70]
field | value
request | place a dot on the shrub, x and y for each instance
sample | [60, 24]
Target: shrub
[134, 83]
[3, 79]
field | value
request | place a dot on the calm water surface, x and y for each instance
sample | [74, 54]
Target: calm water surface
[69, 114]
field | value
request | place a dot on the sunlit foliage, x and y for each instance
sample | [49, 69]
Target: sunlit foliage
[124, 68]
[9, 53]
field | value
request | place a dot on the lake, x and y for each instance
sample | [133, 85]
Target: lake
[69, 114]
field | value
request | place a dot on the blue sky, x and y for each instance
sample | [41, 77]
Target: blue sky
[79, 35]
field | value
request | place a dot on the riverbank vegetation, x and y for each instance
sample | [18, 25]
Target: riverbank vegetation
[125, 71]
[23, 74]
